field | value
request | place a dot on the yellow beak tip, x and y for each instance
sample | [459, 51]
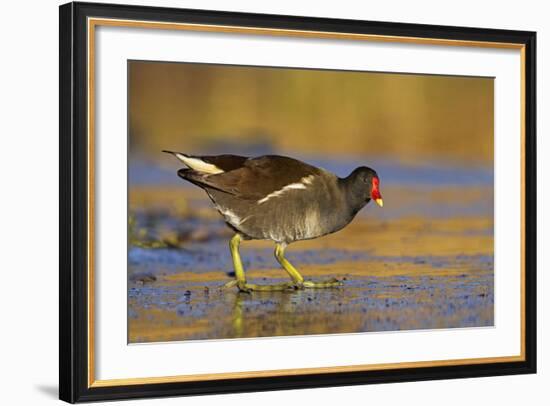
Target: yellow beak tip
[379, 202]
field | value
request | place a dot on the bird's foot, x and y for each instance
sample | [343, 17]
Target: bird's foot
[230, 284]
[287, 286]
[331, 283]
[250, 287]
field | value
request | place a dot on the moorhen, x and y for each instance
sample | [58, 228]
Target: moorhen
[281, 199]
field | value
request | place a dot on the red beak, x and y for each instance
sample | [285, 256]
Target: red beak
[375, 193]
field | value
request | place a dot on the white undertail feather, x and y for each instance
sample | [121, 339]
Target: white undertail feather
[298, 185]
[199, 165]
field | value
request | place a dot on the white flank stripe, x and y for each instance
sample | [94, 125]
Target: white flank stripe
[298, 185]
[232, 218]
[308, 179]
[199, 165]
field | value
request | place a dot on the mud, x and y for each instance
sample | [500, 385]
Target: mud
[424, 261]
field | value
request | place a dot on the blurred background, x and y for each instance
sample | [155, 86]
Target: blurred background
[410, 118]
[423, 261]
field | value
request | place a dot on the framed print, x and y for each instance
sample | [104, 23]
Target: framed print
[257, 202]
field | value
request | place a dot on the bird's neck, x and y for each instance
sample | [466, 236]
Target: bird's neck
[354, 201]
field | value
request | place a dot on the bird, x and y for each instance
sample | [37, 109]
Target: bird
[278, 198]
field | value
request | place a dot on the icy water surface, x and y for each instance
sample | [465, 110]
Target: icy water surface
[423, 261]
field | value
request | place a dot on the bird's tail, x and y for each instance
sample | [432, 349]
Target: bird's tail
[196, 163]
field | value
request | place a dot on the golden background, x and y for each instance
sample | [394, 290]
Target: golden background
[402, 116]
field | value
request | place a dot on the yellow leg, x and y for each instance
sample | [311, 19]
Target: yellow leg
[237, 263]
[297, 278]
[240, 278]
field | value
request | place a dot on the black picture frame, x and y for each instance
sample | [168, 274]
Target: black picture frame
[73, 255]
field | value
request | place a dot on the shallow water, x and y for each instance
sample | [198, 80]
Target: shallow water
[423, 261]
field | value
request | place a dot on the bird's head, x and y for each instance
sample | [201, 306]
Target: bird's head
[364, 184]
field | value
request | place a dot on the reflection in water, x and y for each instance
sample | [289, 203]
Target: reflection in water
[238, 315]
[376, 296]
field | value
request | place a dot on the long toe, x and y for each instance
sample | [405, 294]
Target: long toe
[332, 283]
[250, 287]
[230, 284]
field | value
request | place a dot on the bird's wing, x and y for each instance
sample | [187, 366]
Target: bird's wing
[259, 177]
